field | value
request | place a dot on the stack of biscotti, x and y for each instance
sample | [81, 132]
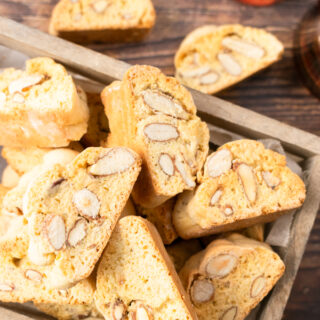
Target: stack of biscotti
[85, 21]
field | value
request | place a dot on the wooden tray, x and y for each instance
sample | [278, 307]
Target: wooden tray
[218, 113]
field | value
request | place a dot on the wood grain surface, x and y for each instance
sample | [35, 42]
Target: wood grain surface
[276, 92]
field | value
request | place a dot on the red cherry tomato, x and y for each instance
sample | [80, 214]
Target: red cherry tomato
[259, 2]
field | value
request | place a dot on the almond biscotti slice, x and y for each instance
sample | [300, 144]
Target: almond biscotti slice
[161, 217]
[86, 21]
[98, 126]
[136, 279]
[71, 312]
[23, 160]
[156, 116]
[40, 107]
[212, 58]
[230, 277]
[72, 210]
[242, 184]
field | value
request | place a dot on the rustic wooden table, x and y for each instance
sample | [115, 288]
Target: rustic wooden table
[276, 92]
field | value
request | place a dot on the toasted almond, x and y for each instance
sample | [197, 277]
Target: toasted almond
[162, 103]
[78, 232]
[118, 310]
[87, 203]
[140, 311]
[216, 197]
[230, 314]
[33, 275]
[143, 314]
[114, 161]
[161, 132]
[209, 78]
[201, 291]
[221, 265]
[219, 163]
[100, 6]
[18, 97]
[244, 47]
[248, 180]
[3, 99]
[6, 287]
[195, 72]
[258, 286]
[228, 210]
[271, 180]
[230, 64]
[181, 168]
[24, 83]
[166, 164]
[56, 231]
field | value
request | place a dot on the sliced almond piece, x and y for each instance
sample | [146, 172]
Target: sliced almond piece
[116, 160]
[258, 286]
[271, 180]
[18, 97]
[248, 180]
[195, 72]
[100, 6]
[166, 164]
[143, 314]
[201, 291]
[33, 275]
[118, 310]
[228, 210]
[230, 64]
[78, 232]
[181, 168]
[216, 197]
[219, 163]
[87, 203]
[24, 83]
[3, 99]
[230, 314]
[56, 231]
[161, 132]
[244, 47]
[221, 265]
[163, 103]
[140, 311]
[6, 287]
[209, 78]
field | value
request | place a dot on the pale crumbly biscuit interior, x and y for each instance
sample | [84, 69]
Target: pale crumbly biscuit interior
[212, 58]
[40, 106]
[236, 271]
[152, 283]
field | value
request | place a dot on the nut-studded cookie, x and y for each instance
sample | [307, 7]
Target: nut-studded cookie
[72, 210]
[212, 58]
[85, 21]
[156, 116]
[136, 279]
[41, 106]
[161, 217]
[230, 277]
[242, 184]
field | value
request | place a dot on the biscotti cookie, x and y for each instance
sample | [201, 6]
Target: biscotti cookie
[136, 279]
[10, 177]
[98, 126]
[230, 277]
[21, 282]
[161, 217]
[85, 21]
[72, 210]
[40, 107]
[242, 184]
[156, 116]
[212, 58]
[71, 312]
[181, 250]
[23, 160]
